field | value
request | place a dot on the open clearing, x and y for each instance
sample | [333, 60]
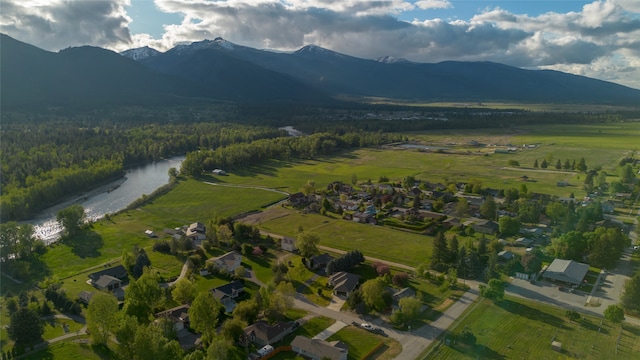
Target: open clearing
[516, 328]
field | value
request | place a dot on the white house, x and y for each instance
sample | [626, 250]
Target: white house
[229, 261]
[288, 244]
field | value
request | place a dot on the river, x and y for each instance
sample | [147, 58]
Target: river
[109, 198]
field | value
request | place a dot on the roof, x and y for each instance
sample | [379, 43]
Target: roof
[178, 313]
[321, 259]
[227, 289]
[344, 282]
[568, 271]
[505, 254]
[320, 348]
[404, 292]
[105, 281]
[117, 271]
[268, 333]
[229, 259]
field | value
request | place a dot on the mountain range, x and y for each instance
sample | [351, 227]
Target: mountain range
[220, 70]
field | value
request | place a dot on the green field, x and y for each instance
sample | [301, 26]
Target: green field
[516, 328]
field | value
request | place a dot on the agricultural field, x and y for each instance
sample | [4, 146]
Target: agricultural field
[516, 328]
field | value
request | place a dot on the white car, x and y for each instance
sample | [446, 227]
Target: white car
[366, 326]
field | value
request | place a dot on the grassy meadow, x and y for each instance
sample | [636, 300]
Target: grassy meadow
[517, 328]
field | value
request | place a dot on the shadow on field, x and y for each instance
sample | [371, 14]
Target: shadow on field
[531, 313]
[86, 244]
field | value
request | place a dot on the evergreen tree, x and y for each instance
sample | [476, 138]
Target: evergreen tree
[440, 252]
[535, 164]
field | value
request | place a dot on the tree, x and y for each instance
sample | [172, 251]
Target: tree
[508, 226]
[71, 219]
[535, 164]
[218, 349]
[233, 329]
[582, 165]
[125, 333]
[203, 313]
[25, 327]
[247, 311]
[440, 253]
[151, 344]
[101, 316]
[544, 164]
[142, 296]
[614, 313]
[307, 244]
[373, 294]
[184, 291]
[556, 211]
[631, 295]
[410, 308]
[142, 261]
[462, 207]
[558, 164]
[494, 290]
[531, 263]
[626, 174]
[488, 208]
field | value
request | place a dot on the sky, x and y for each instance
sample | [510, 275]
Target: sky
[598, 39]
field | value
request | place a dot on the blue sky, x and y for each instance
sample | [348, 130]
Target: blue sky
[597, 38]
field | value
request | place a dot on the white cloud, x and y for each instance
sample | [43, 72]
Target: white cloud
[56, 24]
[433, 4]
[602, 39]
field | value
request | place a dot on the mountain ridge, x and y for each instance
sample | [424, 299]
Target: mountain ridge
[218, 70]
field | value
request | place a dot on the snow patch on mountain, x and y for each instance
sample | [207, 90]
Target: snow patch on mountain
[391, 60]
[140, 53]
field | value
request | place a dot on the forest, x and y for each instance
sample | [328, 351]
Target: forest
[48, 157]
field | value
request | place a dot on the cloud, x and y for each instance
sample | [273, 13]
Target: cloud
[601, 39]
[56, 24]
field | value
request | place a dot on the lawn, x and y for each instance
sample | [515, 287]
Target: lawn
[363, 343]
[516, 328]
[72, 350]
[375, 241]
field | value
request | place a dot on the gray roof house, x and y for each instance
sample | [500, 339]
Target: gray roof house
[228, 293]
[343, 283]
[229, 261]
[566, 271]
[317, 349]
[262, 333]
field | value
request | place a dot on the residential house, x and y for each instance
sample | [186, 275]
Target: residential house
[343, 283]
[364, 218]
[288, 244]
[85, 296]
[298, 199]
[219, 172]
[403, 293]
[110, 284]
[451, 222]
[229, 261]
[349, 205]
[179, 315]
[486, 227]
[566, 271]
[535, 232]
[228, 293]
[523, 241]
[319, 262]
[118, 272]
[262, 333]
[316, 349]
[505, 255]
[197, 232]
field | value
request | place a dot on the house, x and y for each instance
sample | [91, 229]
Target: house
[118, 272]
[298, 199]
[451, 222]
[343, 283]
[262, 333]
[219, 172]
[179, 315]
[150, 233]
[486, 227]
[523, 241]
[320, 261]
[85, 296]
[403, 293]
[288, 244]
[566, 271]
[228, 293]
[363, 218]
[532, 231]
[505, 255]
[349, 205]
[229, 261]
[110, 284]
[197, 231]
[316, 349]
